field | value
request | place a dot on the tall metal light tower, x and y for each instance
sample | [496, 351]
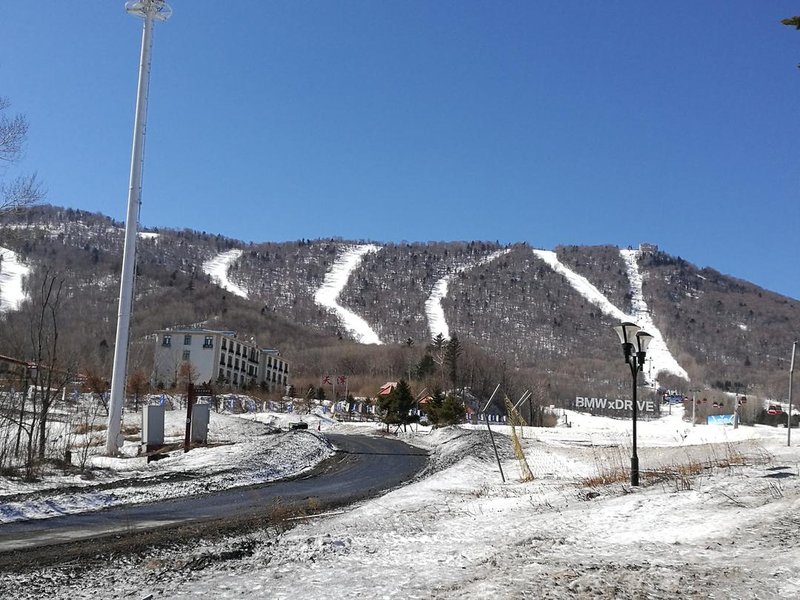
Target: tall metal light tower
[150, 11]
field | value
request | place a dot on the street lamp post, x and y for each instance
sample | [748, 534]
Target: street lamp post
[634, 347]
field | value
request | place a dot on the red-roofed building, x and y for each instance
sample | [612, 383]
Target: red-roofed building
[387, 388]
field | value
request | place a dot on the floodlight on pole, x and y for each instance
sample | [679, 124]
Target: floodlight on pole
[150, 11]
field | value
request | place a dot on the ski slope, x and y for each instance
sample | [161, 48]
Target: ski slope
[217, 269]
[335, 281]
[662, 359]
[641, 314]
[437, 323]
[12, 275]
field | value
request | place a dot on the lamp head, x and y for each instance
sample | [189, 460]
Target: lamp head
[643, 340]
[627, 336]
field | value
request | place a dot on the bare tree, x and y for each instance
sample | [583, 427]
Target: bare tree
[187, 373]
[23, 190]
[84, 423]
[46, 374]
[50, 375]
[95, 383]
[138, 385]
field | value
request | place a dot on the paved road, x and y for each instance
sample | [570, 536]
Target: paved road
[363, 467]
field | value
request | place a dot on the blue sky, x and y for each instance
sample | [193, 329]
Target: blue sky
[551, 122]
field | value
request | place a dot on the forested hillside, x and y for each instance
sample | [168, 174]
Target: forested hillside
[517, 318]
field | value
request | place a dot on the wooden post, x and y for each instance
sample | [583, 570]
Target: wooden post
[190, 397]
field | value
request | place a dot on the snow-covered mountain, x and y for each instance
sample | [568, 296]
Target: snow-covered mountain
[540, 310]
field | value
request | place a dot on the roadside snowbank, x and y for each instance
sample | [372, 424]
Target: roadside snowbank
[241, 452]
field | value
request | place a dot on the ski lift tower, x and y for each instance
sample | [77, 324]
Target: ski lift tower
[150, 11]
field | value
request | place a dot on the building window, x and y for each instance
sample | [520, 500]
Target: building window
[186, 354]
[166, 340]
[187, 340]
[208, 342]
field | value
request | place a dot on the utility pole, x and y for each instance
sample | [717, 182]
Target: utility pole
[789, 422]
[149, 10]
[491, 436]
[694, 405]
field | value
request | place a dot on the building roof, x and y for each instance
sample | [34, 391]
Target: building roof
[387, 388]
[197, 330]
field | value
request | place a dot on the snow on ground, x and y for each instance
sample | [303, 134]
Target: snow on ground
[333, 284]
[662, 359]
[658, 351]
[217, 269]
[240, 452]
[459, 532]
[12, 273]
[437, 323]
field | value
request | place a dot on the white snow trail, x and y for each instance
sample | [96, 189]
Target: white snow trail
[437, 323]
[12, 273]
[662, 359]
[582, 285]
[335, 280]
[218, 267]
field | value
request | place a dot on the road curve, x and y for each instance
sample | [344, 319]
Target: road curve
[361, 468]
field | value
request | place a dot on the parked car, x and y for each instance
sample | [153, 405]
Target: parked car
[774, 409]
[298, 425]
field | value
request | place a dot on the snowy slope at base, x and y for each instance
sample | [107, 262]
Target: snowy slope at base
[662, 359]
[658, 351]
[726, 532]
[217, 269]
[437, 323]
[335, 281]
[12, 272]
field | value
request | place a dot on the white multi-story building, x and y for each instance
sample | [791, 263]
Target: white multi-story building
[216, 357]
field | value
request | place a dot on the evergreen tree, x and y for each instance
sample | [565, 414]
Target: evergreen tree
[437, 348]
[396, 406]
[444, 411]
[426, 367]
[452, 352]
